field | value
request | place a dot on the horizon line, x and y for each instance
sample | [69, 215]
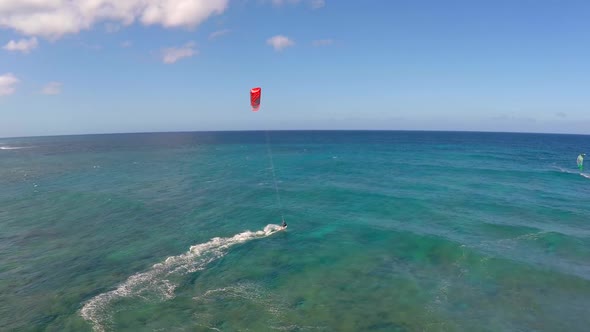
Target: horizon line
[299, 130]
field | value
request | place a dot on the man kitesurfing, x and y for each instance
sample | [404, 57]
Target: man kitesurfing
[255, 94]
[580, 161]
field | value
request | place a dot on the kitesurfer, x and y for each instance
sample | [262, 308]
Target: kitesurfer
[284, 224]
[580, 161]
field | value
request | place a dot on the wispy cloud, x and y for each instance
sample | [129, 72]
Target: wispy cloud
[126, 44]
[317, 4]
[218, 33]
[90, 46]
[280, 42]
[314, 4]
[53, 19]
[52, 88]
[7, 84]
[173, 54]
[323, 42]
[561, 114]
[23, 45]
[283, 2]
[111, 27]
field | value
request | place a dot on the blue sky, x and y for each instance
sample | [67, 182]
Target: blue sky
[184, 65]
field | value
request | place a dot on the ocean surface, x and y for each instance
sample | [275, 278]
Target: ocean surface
[387, 231]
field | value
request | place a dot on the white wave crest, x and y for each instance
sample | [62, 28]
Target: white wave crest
[156, 281]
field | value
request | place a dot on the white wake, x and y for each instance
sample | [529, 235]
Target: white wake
[156, 281]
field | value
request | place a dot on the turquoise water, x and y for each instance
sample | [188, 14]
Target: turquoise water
[388, 231]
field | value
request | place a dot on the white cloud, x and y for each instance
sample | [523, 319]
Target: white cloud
[280, 42]
[317, 4]
[219, 33]
[7, 83]
[53, 19]
[23, 45]
[323, 42]
[52, 88]
[176, 13]
[126, 44]
[173, 54]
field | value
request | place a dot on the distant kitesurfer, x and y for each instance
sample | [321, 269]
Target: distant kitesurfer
[284, 224]
[581, 161]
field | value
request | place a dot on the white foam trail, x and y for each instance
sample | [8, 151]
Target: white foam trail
[251, 292]
[12, 147]
[257, 295]
[586, 175]
[297, 328]
[156, 280]
[563, 170]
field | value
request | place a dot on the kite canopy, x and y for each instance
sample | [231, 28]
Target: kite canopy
[255, 98]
